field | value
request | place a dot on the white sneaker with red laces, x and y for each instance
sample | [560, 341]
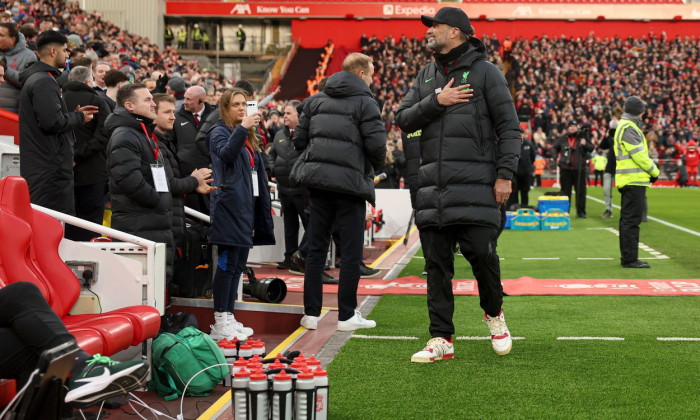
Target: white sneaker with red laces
[500, 336]
[437, 348]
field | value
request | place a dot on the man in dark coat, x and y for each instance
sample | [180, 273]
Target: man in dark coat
[281, 159]
[46, 127]
[90, 153]
[141, 199]
[470, 140]
[523, 176]
[342, 142]
[188, 120]
[572, 149]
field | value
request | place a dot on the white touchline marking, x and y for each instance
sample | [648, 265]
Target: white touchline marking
[642, 246]
[488, 337]
[663, 222]
[678, 338]
[593, 258]
[592, 338]
[385, 337]
[554, 258]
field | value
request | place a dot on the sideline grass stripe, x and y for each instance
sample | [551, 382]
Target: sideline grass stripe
[678, 338]
[385, 337]
[481, 337]
[592, 338]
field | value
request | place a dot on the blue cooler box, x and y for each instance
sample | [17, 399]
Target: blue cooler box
[525, 219]
[509, 219]
[556, 220]
[546, 203]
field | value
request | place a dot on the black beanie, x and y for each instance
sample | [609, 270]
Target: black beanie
[635, 106]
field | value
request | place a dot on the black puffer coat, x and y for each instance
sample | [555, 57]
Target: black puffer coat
[137, 208]
[280, 159]
[342, 137]
[411, 149]
[465, 147]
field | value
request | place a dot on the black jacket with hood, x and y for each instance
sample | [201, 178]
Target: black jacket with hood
[465, 147]
[281, 158]
[341, 138]
[46, 138]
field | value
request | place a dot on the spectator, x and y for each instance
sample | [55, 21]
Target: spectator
[46, 127]
[346, 141]
[101, 69]
[89, 153]
[113, 80]
[572, 150]
[177, 88]
[14, 57]
[241, 37]
[240, 208]
[141, 199]
[30, 33]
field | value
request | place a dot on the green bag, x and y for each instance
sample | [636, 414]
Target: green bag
[177, 358]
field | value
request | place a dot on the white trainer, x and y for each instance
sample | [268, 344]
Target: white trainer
[310, 322]
[500, 335]
[356, 322]
[237, 326]
[438, 348]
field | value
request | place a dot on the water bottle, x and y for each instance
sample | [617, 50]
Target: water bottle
[282, 397]
[298, 367]
[402, 184]
[245, 351]
[257, 389]
[239, 389]
[238, 365]
[275, 365]
[313, 363]
[258, 347]
[304, 400]
[321, 380]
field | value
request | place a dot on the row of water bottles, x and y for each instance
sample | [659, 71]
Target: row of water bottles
[285, 390]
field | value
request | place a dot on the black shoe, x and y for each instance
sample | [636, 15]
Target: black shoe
[606, 215]
[295, 268]
[582, 216]
[284, 265]
[366, 272]
[328, 279]
[297, 263]
[636, 264]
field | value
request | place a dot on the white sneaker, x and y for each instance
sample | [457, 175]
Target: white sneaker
[309, 322]
[219, 330]
[437, 348]
[356, 322]
[500, 336]
[237, 326]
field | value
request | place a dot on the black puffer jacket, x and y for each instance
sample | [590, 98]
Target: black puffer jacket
[184, 134]
[281, 158]
[179, 186]
[137, 207]
[90, 149]
[465, 147]
[342, 137]
[411, 149]
[46, 138]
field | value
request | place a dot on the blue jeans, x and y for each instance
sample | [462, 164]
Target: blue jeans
[229, 267]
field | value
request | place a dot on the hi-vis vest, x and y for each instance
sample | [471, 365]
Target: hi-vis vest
[633, 164]
[182, 35]
[599, 162]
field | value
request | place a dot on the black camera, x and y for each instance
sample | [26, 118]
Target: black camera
[565, 156]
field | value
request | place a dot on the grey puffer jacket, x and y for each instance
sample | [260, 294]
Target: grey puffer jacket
[464, 148]
[342, 138]
[17, 59]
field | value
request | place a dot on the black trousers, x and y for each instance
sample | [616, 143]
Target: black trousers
[478, 245]
[577, 179]
[293, 209]
[28, 326]
[347, 214]
[633, 203]
[598, 178]
[521, 187]
[90, 206]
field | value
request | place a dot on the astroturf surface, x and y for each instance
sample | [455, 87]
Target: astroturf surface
[631, 376]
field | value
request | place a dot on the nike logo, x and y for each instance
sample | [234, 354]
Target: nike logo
[183, 123]
[97, 379]
[429, 79]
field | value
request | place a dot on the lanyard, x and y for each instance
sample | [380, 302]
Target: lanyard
[249, 149]
[571, 142]
[156, 151]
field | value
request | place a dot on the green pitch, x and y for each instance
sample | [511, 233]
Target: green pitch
[633, 375]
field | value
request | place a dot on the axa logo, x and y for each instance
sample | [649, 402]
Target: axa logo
[388, 9]
[522, 11]
[240, 9]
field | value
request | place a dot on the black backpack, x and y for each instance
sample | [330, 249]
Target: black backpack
[192, 268]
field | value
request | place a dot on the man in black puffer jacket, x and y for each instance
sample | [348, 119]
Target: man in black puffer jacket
[470, 142]
[141, 199]
[342, 142]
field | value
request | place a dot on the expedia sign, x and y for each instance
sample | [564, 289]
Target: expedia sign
[398, 10]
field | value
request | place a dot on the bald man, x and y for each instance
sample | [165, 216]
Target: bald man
[188, 120]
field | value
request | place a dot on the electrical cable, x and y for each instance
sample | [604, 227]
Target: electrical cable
[19, 394]
[181, 416]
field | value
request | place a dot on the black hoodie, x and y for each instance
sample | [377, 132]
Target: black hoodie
[137, 207]
[464, 147]
[46, 138]
[342, 137]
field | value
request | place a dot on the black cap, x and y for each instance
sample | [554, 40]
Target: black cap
[635, 106]
[450, 16]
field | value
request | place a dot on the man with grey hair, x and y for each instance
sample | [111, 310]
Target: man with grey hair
[188, 121]
[90, 152]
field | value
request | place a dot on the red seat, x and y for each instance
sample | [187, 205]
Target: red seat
[34, 234]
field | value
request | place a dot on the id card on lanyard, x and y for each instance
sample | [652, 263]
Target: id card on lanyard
[253, 172]
[160, 181]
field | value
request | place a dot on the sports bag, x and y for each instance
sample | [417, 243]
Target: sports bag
[178, 358]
